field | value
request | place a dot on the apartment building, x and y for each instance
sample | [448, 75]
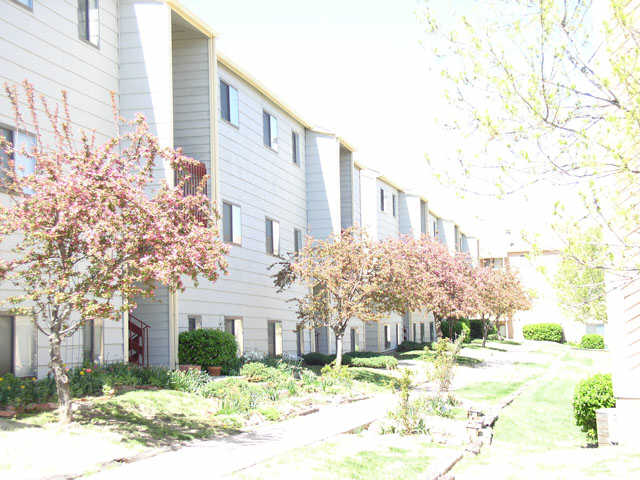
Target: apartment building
[274, 177]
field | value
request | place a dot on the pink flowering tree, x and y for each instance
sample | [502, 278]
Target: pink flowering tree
[94, 230]
[343, 282]
[500, 295]
[423, 275]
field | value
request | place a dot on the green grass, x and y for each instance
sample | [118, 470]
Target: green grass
[490, 392]
[343, 458]
[149, 418]
[375, 380]
[460, 360]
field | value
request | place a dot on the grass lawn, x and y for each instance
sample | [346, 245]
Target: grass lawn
[105, 429]
[359, 457]
[490, 392]
[536, 436]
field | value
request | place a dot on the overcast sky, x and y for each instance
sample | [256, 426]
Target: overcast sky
[358, 67]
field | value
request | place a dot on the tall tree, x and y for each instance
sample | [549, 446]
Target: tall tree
[342, 276]
[550, 87]
[90, 234]
[581, 286]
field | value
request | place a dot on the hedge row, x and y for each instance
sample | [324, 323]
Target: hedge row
[354, 359]
[549, 332]
[408, 346]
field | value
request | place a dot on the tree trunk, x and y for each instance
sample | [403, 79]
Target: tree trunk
[61, 378]
[438, 322]
[485, 331]
[339, 349]
[451, 324]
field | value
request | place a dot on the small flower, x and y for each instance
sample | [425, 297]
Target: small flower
[88, 370]
[81, 372]
[34, 379]
[21, 386]
[1, 379]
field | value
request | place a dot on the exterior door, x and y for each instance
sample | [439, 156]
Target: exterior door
[6, 344]
[353, 339]
[272, 339]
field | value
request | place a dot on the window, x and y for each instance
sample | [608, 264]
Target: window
[270, 130]
[354, 340]
[272, 237]
[92, 341]
[422, 332]
[231, 223]
[435, 228]
[24, 165]
[89, 21]
[394, 205]
[387, 336]
[233, 325]
[17, 346]
[382, 200]
[295, 148]
[192, 177]
[415, 332]
[229, 107]
[297, 240]
[26, 3]
[274, 334]
[398, 334]
[423, 217]
[195, 323]
[299, 341]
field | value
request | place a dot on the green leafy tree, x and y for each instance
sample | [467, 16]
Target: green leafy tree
[579, 284]
[549, 88]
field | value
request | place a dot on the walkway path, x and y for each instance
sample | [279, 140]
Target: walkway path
[220, 457]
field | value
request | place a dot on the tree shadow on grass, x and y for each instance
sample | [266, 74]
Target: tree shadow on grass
[460, 359]
[480, 347]
[151, 430]
[410, 355]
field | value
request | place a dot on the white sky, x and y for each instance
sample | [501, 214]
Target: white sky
[357, 67]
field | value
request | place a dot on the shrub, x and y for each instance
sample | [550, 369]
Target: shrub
[592, 341]
[475, 329]
[374, 361]
[332, 378]
[191, 381]
[236, 395]
[549, 332]
[18, 392]
[208, 347]
[459, 327]
[444, 361]
[315, 358]
[590, 395]
[406, 418]
[259, 372]
[408, 346]
[493, 336]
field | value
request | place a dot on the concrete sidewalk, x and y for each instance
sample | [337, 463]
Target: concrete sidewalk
[221, 457]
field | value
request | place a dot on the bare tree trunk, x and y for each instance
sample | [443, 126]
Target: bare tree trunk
[485, 331]
[62, 380]
[452, 322]
[339, 337]
[438, 322]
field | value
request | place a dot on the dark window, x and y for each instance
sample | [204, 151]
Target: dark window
[4, 158]
[272, 237]
[423, 217]
[295, 153]
[274, 332]
[422, 332]
[229, 107]
[23, 165]
[353, 340]
[382, 200]
[231, 223]
[299, 342]
[195, 323]
[230, 325]
[192, 179]
[297, 240]
[6, 344]
[415, 332]
[89, 21]
[387, 336]
[394, 204]
[270, 130]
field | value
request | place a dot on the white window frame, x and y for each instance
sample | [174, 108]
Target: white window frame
[231, 92]
[275, 237]
[295, 148]
[92, 21]
[235, 224]
[297, 244]
[271, 140]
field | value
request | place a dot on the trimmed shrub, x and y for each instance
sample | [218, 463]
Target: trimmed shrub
[459, 327]
[315, 358]
[374, 361]
[549, 332]
[408, 346]
[590, 395]
[592, 341]
[208, 347]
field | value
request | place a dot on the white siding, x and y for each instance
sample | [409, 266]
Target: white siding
[346, 188]
[323, 184]
[388, 225]
[357, 198]
[263, 183]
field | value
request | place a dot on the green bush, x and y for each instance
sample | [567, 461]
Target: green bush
[373, 361]
[592, 341]
[208, 347]
[18, 392]
[408, 346]
[259, 372]
[459, 327]
[475, 329]
[191, 381]
[590, 395]
[315, 358]
[549, 332]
